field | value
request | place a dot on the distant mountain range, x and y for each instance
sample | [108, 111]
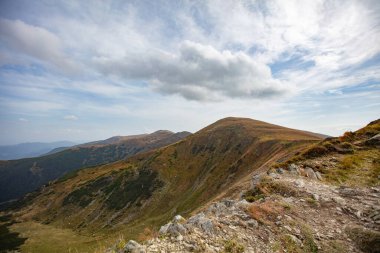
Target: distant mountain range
[31, 149]
[18, 177]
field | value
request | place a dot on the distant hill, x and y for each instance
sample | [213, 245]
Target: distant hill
[146, 190]
[18, 177]
[30, 149]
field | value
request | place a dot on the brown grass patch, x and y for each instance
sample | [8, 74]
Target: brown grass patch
[147, 234]
[266, 212]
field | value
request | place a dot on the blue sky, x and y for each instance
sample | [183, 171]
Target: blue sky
[88, 70]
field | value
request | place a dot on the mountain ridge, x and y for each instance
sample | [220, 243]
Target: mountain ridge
[30, 149]
[145, 190]
[31, 173]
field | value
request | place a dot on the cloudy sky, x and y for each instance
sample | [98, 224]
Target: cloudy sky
[88, 70]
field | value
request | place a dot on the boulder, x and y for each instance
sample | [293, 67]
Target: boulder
[178, 219]
[176, 229]
[219, 209]
[133, 247]
[164, 229]
[252, 223]
[173, 229]
[295, 169]
[202, 222]
[319, 175]
[228, 202]
[310, 173]
[255, 181]
[274, 175]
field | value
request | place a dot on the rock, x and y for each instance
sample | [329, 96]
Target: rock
[319, 175]
[178, 219]
[292, 167]
[252, 223]
[164, 228]
[310, 173]
[280, 171]
[179, 238]
[375, 140]
[255, 180]
[274, 175]
[299, 183]
[190, 247]
[176, 229]
[315, 197]
[339, 200]
[294, 239]
[133, 247]
[288, 228]
[243, 216]
[242, 204]
[200, 221]
[348, 192]
[218, 209]
[228, 202]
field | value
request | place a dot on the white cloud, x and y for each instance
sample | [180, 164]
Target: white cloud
[70, 117]
[23, 120]
[199, 72]
[35, 42]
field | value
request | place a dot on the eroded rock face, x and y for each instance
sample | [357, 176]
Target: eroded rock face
[202, 222]
[173, 229]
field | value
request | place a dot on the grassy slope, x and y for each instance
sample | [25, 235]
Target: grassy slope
[189, 173]
[355, 156]
[25, 175]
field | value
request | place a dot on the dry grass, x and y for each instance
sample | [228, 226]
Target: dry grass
[366, 239]
[147, 234]
[265, 212]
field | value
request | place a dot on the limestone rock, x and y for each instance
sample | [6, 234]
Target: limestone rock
[133, 247]
[310, 173]
[202, 222]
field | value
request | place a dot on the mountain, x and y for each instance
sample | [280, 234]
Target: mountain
[18, 177]
[135, 196]
[30, 149]
[324, 199]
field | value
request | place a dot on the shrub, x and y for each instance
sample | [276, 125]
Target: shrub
[315, 151]
[231, 246]
[347, 136]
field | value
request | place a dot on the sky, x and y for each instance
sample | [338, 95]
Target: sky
[89, 70]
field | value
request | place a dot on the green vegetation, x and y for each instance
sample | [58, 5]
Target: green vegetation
[231, 246]
[47, 239]
[119, 190]
[152, 187]
[9, 240]
[268, 186]
[54, 166]
[358, 169]
[366, 239]
[127, 190]
[334, 246]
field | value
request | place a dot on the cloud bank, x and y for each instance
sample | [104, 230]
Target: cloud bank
[199, 72]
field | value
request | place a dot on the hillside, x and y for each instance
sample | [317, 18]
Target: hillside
[31, 149]
[324, 199]
[18, 177]
[134, 197]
